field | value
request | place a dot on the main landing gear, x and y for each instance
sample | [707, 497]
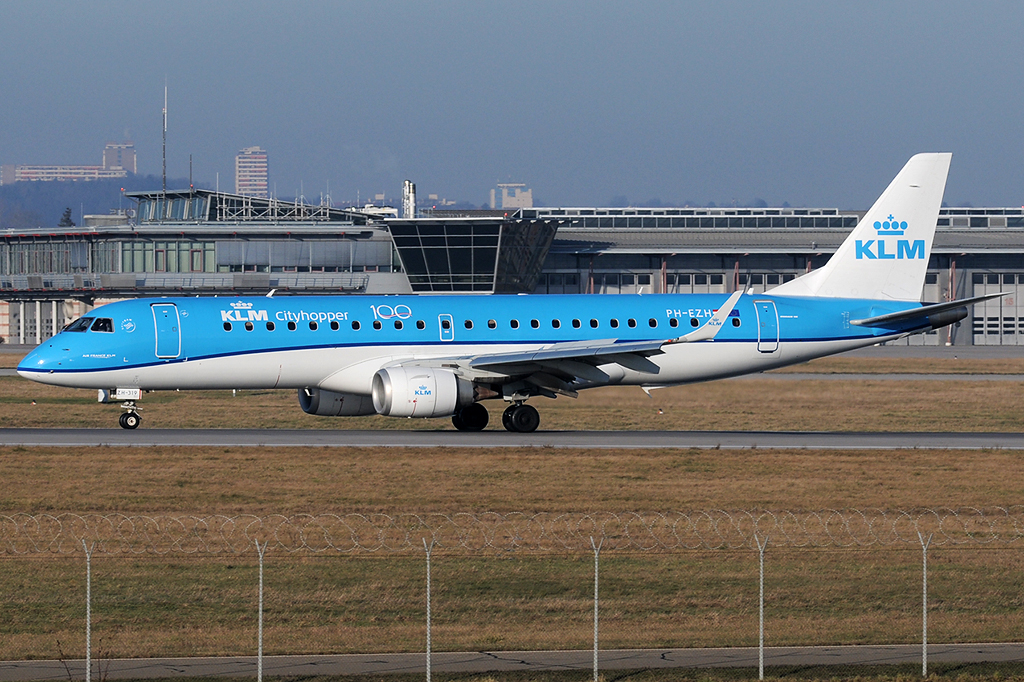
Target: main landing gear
[472, 417]
[521, 418]
[518, 417]
[131, 418]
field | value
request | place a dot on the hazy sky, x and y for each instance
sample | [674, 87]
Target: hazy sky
[814, 103]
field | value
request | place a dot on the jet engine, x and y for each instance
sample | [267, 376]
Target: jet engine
[330, 404]
[420, 392]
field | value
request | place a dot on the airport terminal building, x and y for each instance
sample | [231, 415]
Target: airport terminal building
[200, 242]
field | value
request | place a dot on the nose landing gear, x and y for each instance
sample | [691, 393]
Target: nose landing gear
[520, 418]
[131, 418]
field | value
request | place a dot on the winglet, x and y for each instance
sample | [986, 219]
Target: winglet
[710, 329]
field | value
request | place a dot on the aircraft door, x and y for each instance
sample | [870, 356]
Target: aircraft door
[446, 326]
[168, 330]
[767, 326]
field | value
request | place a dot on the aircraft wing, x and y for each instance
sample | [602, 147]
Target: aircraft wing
[936, 314]
[561, 368]
[571, 351]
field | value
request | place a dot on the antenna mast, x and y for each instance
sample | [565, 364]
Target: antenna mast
[165, 138]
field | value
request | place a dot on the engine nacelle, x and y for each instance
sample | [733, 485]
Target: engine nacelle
[420, 392]
[330, 404]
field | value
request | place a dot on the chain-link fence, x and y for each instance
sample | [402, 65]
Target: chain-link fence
[181, 585]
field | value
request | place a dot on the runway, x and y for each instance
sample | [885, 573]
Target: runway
[500, 661]
[743, 440]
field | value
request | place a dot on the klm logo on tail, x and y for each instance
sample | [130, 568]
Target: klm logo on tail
[882, 247]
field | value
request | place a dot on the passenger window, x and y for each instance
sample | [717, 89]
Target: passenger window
[556, 323]
[398, 324]
[492, 324]
[694, 322]
[249, 326]
[593, 324]
[446, 324]
[312, 326]
[576, 324]
[673, 322]
[420, 324]
[334, 325]
[614, 323]
[535, 324]
[514, 324]
[82, 323]
[227, 328]
[376, 324]
[291, 326]
[103, 324]
[469, 324]
[735, 321]
[270, 326]
[653, 322]
[355, 325]
[631, 322]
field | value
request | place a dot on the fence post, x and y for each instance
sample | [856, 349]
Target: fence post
[428, 549]
[88, 609]
[259, 650]
[760, 606]
[597, 552]
[925, 542]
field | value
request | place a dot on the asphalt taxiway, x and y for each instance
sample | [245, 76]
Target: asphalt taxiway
[500, 661]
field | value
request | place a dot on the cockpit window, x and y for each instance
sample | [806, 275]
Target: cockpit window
[79, 325]
[103, 324]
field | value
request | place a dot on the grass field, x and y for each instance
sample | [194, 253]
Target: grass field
[178, 605]
[181, 605]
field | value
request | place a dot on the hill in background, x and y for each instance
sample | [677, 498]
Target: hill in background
[25, 205]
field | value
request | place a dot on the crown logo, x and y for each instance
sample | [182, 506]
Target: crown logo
[245, 305]
[891, 226]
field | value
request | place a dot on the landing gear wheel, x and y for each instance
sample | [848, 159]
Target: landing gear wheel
[506, 417]
[130, 420]
[526, 419]
[472, 417]
[521, 418]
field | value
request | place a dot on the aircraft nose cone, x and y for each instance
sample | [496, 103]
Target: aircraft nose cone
[46, 357]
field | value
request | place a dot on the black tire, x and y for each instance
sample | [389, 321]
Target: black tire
[473, 417]
[131, 420]
[506, 417]
[120, 420]
[525, 419]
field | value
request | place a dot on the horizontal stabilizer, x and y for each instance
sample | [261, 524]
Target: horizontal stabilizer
[925, 314]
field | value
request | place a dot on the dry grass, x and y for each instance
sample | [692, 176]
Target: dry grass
[843, 364]
[148, 606]
[287, 480]
[152, 606]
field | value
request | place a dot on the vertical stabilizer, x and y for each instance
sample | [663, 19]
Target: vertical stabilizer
[886, 255]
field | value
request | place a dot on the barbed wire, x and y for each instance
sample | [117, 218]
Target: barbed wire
[500, 533]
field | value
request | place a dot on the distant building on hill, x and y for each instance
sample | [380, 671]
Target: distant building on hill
[251, 173]
[513, 195]
[118, 162]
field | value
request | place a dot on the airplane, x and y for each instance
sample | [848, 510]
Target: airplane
[441, 355]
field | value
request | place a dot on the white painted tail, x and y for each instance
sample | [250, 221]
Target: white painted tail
[886, 255]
